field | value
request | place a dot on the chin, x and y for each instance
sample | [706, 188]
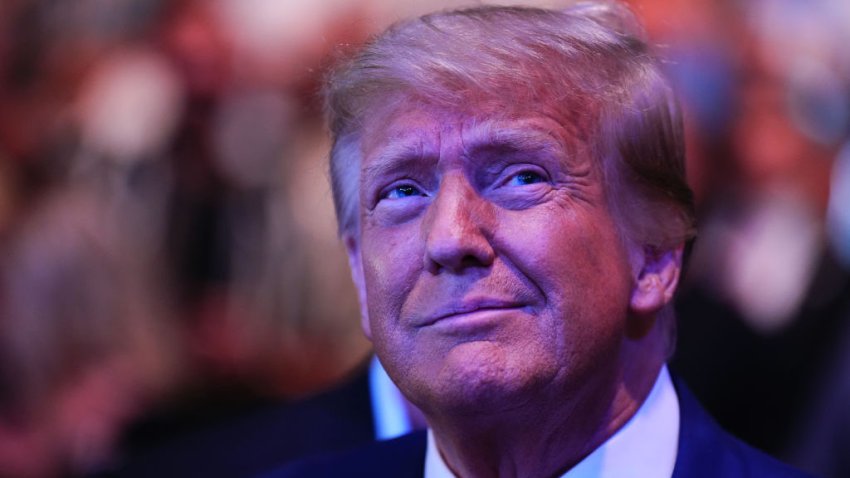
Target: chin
[480, 376]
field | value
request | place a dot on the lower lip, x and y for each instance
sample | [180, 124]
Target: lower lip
[472, 322]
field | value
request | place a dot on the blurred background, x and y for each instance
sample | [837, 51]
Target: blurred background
[168, 255]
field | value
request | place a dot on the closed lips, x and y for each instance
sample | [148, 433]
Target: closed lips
[467, 309]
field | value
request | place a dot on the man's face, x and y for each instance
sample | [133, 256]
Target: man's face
[489, 264]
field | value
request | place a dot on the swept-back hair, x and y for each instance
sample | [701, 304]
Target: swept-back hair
[588, 62]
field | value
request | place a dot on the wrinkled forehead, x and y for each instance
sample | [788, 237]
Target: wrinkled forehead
[407, 126]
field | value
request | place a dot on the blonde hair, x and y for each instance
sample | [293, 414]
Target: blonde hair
[589, 61]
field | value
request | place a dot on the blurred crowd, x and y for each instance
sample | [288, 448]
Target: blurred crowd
[168, 251]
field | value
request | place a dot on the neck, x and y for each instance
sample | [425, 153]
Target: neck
[549, 435]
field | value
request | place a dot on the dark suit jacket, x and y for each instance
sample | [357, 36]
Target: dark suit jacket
[263, 437]
[705, 451]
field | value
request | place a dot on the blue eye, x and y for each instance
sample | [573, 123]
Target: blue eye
[402, 191]
[524, 178]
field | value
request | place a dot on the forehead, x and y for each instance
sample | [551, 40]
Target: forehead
[409, 128]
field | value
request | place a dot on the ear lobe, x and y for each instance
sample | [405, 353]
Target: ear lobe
[355, 262]
[657, 280]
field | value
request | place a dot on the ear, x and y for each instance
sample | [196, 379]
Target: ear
[656, 280]
[355, 262]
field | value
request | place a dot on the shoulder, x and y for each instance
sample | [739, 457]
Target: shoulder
[706, 450]
[401, 457]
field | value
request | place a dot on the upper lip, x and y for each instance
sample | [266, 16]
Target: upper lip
[465, 307]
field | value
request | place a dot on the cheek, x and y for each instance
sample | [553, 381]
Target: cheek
[581, 269]
[391, 263]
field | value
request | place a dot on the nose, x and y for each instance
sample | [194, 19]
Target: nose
[456, 228]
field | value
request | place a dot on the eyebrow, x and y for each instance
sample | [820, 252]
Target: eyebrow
[404, 153]
[481, 139]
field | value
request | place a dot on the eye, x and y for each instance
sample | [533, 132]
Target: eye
[401, 191]
[524, 178]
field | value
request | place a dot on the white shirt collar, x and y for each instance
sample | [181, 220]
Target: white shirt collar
[644, 447]
[391, 418]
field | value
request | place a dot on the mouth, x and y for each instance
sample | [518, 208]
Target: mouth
[471, 314]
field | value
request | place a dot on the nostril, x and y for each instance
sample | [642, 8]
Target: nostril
[456, 253]
[482, 260]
